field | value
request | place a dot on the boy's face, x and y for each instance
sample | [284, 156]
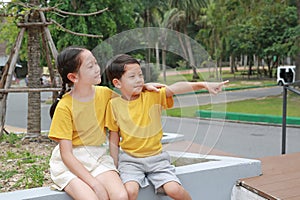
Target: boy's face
[132, 81]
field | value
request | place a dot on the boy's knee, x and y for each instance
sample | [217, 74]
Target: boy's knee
[175, 190]
[132, 193]
[132, 190]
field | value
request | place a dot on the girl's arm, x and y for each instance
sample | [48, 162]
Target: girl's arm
[184, 87]
[114, 140]
[78, 169]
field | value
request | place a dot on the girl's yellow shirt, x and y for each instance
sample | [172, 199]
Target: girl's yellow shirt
[81, 122]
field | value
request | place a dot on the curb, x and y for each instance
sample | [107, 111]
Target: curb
[247, 117]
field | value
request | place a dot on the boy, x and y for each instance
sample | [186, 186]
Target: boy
[136, 116]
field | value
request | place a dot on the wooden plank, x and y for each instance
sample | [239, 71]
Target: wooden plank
[280, 178]
[7, 76]
[264, 180]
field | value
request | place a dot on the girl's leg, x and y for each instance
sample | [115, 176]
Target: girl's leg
[132, 188]
[176, 191]
[113, 185]
[78, 189]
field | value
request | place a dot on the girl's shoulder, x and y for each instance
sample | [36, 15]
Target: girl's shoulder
[102, 88]
[104, 93]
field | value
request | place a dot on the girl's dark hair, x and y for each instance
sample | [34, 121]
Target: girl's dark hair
[116, 66]
[68, 61]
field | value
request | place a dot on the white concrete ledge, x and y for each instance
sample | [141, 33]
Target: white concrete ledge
[213, 179]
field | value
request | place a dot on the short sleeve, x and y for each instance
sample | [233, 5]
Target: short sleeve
[110, 118]
[61, 125]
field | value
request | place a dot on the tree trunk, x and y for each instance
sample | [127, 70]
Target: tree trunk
[34, 73]
[232, 64]
[191, 56]
[157, 55]
[163, 58]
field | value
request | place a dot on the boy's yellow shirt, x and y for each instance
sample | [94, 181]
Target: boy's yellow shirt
[139, 122]
[81, 122]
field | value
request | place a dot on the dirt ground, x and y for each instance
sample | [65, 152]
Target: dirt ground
[24, 163]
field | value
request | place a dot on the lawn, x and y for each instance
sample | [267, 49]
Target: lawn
[267, 106]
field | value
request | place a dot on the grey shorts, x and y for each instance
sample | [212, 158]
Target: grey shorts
[156, 169]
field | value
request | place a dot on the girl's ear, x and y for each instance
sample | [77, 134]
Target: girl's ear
[72, 77]
[116, 83]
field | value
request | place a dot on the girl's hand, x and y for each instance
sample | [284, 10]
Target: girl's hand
[215, 87]
[153, 86]
[100, 190]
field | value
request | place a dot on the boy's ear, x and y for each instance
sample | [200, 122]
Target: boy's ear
[72, 77]
[116, 83]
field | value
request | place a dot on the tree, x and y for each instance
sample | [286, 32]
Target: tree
[34, 73]
[119, 16]
[34, 21]
[191, 10]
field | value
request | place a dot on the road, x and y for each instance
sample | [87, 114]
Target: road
[241, 139]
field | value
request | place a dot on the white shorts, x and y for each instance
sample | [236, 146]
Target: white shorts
[95, 160]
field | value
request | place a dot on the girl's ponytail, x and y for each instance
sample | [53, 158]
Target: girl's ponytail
[60, 95]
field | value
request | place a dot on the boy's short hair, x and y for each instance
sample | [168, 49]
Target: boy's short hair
[116, 66]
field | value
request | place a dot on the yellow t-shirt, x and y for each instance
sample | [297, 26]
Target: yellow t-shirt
[139, 122]
[81, 122]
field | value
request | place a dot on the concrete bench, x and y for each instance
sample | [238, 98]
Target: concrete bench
[212, 178]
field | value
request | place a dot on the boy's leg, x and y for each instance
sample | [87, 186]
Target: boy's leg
[78, 189]
[132, 188]
[176, 191]
[113, 185]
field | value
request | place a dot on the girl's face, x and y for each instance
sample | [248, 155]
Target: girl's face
[132, 81]
[89, 71]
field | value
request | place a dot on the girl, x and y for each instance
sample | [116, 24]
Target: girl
[79, 163]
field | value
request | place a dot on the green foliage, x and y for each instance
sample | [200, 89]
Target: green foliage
[7, 174]
[33, 176]
[118, 17]
[11, 138]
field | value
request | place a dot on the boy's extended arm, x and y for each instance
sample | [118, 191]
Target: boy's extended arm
[114, 140]
[184, 87]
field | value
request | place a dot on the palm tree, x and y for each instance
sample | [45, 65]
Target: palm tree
[191, 10]
[150, 7]
[34, 73]
[166, 21]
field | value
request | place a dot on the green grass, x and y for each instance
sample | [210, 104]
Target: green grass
[268, 106]
[22, 168]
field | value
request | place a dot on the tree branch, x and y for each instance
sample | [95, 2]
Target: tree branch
[75, 33]
[71, 13]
